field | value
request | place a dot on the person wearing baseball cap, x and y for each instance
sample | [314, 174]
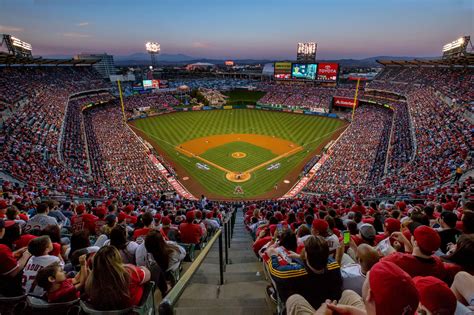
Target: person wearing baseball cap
[421, 261]
[383, 281]
[367, 233]
[389, 226]
[321, 227]
[190, 232]
[435, 296]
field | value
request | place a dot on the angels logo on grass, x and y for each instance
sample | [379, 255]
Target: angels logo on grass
[238, 190]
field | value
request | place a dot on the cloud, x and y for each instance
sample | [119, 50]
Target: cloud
[9, 29]
[200, 45]
[75, 35]
[82, 24]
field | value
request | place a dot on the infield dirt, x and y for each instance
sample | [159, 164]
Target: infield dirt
[198, 146]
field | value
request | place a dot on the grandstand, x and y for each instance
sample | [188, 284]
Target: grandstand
[87, 194]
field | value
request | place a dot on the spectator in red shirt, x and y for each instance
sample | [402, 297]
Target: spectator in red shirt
[112, 285]
[390, 225]
[83, 220]
[58, 287]
[100, 212]
[420, 262]
[11, 263]
[190, 232]
[147, 220]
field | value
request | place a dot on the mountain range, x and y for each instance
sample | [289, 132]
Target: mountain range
[140, 59]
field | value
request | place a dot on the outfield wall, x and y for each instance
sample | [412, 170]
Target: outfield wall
[228, 107]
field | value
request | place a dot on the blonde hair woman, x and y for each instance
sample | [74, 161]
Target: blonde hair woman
[112, 285]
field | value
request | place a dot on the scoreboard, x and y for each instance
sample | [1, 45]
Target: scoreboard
[282, 70]
[318, 72]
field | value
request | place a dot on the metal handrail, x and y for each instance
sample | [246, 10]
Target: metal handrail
[166, 306]
[169, 301]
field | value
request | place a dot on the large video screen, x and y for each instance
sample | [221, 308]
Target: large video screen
[304, 71]
[282, 70]
[147, 84]
[328, 72]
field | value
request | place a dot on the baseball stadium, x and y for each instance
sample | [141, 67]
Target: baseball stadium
[236, 158]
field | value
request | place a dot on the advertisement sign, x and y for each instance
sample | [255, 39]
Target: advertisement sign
[147, 84]
[304, 71]
[155, 84]
[282, 70]
[344, 102]
[327, 71]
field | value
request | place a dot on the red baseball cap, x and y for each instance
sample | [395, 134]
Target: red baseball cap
[278, 215]
[435, 295]
[387, 279]
[198, 214]
[3, 204]
[166, 221]
[121, 216]
[100, 211]
[80, 209]
[129, 208]
[158, 217]
[209, 215]
[189, 215]
[392, 225]
[320, 225]
[428, 239]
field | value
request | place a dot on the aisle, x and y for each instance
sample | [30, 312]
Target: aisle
[243, 291]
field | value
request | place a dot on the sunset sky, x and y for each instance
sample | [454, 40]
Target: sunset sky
[239, 29]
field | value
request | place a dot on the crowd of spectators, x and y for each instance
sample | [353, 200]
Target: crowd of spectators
[30, 135]
[335, 255]
[358, 157]
[456, 83]
[73, 145]
[117, 155]
[103, 252]
[157, 101]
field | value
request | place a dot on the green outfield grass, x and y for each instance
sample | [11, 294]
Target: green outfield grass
[168, 131]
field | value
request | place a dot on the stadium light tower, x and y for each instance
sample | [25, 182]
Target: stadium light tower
[153, 49]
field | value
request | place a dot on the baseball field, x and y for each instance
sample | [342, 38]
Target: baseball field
[239, 153]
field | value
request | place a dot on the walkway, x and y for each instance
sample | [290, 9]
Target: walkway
[243, 291]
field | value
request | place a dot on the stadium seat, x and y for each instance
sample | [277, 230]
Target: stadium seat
[190, 248]
[147, 304]
[40, 306]
[12, 305]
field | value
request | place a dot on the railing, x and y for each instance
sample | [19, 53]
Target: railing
[169, 301]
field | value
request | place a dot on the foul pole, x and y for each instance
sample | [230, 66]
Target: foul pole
[121, 102]
[355, 98]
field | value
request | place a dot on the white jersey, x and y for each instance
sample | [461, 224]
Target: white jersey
[35, 264]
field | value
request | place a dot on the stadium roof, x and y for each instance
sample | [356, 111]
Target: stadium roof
[457, 61]
[9, 59]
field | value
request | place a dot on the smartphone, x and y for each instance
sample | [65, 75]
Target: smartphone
[279, 228]
[347, 237]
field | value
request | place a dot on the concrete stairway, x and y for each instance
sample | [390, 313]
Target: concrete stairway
[243, 291]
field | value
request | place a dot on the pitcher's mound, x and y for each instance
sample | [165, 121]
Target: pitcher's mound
[237, 177]
[239, 155]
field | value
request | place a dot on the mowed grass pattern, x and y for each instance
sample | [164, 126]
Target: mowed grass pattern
[222, 155]
[168, 131]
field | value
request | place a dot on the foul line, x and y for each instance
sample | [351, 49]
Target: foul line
[291, 152]
[202, 159]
